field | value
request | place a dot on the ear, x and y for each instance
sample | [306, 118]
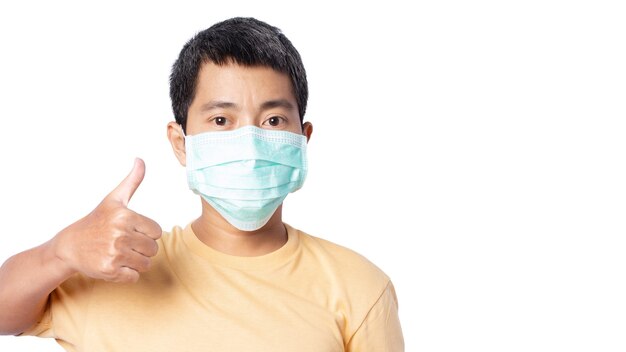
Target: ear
[177, 140]
[307, 130]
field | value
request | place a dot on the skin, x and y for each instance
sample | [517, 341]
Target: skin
[114, 243]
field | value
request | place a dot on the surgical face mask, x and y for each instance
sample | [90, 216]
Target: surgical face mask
[245, 174]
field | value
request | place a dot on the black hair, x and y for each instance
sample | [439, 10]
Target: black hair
[245, 41]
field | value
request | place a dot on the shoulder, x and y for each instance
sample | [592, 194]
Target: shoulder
[353, 282]
[346, 261]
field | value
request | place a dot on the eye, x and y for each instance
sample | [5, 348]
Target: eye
[220, 121]
[274, 121]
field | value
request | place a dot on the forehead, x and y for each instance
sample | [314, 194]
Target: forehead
[233, 81]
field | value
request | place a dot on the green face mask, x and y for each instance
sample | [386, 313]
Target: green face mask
[245, 174]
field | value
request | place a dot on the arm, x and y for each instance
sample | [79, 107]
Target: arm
[26, 280]
[111, 243]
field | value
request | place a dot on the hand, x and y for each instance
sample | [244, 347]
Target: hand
[112, 243]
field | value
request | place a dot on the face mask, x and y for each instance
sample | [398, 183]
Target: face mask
[245, 174]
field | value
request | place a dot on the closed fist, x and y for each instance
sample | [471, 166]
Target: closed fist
[112, 242]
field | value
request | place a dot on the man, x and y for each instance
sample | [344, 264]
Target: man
[235, 279]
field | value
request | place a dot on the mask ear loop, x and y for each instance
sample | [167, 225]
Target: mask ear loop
[182, 130]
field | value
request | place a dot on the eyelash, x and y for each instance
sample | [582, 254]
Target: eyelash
[276, 116]
[214, 120]
[280, 119]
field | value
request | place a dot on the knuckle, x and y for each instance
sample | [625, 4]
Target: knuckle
[107, 268]
[121, 216]
[133, 278]
[120, 240]
[127, 276]
[113, 249]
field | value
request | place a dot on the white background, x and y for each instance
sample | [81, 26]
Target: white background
[475, 151]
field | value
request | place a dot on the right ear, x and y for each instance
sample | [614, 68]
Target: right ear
[177, 140]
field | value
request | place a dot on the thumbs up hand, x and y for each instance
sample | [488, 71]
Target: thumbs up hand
[112, 242]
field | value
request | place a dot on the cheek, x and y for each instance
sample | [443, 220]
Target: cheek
[295, 129]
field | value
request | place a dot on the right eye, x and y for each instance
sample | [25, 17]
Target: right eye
[219, 120]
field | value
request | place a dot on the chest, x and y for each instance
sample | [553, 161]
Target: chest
[222, 315]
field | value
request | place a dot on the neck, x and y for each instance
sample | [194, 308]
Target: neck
[214, 231]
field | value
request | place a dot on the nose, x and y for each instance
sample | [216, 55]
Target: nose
[247, 118]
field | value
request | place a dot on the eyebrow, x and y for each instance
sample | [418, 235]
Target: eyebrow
[270, 104]
[277, 103]
[217, 104]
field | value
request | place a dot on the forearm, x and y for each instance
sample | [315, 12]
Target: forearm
[26, 281]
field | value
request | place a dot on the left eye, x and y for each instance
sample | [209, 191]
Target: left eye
[274, 121]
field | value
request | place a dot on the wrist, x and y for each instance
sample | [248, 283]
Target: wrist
[54, 259]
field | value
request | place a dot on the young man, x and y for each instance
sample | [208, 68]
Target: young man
[235, 279]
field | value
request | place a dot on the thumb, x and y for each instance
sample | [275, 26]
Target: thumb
[125, 190]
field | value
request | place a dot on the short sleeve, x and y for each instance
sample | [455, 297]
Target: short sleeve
[65, 311]
[380, 331]
[43, 328]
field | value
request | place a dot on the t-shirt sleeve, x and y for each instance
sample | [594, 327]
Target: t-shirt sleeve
[64, 315]
[380, 331]
[43, 328]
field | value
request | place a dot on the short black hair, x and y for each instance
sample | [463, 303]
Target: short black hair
[245, 41]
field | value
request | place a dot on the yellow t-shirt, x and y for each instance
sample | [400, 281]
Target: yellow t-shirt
[309, 295]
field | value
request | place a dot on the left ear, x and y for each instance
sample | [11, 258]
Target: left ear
[307, 130]
[177, 140]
